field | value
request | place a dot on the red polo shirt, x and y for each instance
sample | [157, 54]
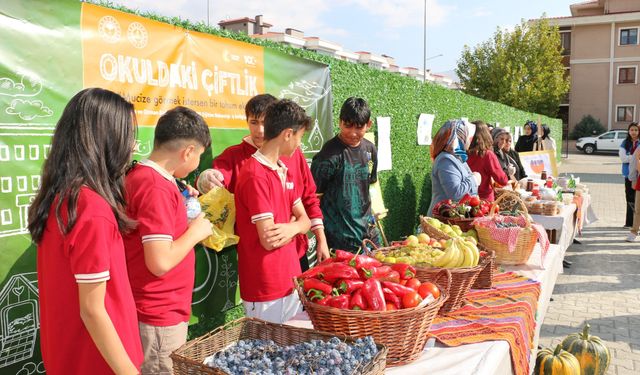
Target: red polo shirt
[264, 191]
[231, 160]
[91, 253]
[154, 201]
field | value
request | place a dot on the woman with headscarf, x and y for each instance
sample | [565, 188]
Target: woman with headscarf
[451, 177]
[545, 142]
[484, 161]
[508, 157]
[527, 141]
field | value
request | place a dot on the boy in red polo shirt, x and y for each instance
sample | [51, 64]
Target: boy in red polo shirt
[160, 255]
[266, 198]
[226, 168]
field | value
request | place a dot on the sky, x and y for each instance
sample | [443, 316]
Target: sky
[391, 27]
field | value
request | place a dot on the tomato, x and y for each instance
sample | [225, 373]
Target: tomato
[410, 300]
[413, 283]
[403, 282]
[428, 288]
[474, 201]
[390, 306]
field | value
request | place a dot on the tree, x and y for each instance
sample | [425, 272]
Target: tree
[587, 127]
[520, 68]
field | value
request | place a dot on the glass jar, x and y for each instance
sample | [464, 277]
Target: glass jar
[529, 185]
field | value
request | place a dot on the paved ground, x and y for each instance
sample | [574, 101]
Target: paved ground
[602, 287]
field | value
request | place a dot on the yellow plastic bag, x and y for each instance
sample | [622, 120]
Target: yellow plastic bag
[220, 209]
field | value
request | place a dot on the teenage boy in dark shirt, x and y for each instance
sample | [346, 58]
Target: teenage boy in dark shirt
[343, 171]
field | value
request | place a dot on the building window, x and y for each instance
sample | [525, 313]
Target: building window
[627, 74]
[625, 113]
[628, 36]
[565, 43]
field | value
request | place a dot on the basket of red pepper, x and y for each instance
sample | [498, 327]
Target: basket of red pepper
[356, 295]
[462, 212]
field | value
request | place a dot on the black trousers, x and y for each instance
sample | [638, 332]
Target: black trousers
[630, 195]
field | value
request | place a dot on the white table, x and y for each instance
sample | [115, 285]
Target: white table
[563, 224]
[485, 358]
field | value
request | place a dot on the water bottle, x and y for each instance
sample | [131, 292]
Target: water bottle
[192, 204]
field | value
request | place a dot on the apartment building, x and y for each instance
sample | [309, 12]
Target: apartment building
[257, 28]
[601, 53]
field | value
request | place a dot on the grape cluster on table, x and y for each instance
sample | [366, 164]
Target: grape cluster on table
[265, 357]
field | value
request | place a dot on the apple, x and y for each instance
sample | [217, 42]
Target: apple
[424, 238]
[412, 240]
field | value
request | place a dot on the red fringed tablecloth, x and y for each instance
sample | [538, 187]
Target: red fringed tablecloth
[506, 312]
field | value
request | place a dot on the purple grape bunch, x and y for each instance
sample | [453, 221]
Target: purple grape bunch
[265, 357]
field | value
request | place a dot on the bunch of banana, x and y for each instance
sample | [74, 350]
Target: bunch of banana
[458, 253]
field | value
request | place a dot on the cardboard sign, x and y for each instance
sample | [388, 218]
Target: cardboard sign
[535, 162]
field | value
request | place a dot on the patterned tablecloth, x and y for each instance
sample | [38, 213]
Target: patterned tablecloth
[506, 312]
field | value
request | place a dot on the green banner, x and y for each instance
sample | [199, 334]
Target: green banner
[52, 50]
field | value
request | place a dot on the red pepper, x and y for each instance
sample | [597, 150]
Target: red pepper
[406, 271]
[485, 209]
[337, 271]
[357, 301]
[398, 289]
[372, 293]
[348, 286]
[374, 272]
[389, 296]
[315, 284]
[315, 271]
[315, 295]
[474, 201]
[392, 276]
[341, 301]
[326, 261]
[343, 256]
[465, 199]
[324, 301]
[360, 261]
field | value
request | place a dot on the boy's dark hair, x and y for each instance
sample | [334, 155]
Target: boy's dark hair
[284, 114]
[181, 124]
[257, 106]
[355, 112]
[91, 146]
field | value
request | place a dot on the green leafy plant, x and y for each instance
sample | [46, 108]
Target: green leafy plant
[587, 127]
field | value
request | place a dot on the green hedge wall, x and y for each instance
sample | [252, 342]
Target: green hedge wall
[406, 188]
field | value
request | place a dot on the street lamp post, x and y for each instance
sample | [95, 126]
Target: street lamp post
[424, 56]
[207, 13]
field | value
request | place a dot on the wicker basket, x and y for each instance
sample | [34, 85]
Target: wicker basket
[485, 277]
[509, 200]
[404, 332]
[457, 286]
[524, 246]
[465, 223]
[189, 358]
[431, 230]
[461, 281]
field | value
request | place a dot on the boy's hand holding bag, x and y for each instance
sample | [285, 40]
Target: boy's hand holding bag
[219, 208]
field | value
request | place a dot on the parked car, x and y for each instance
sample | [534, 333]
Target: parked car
[605, 142]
